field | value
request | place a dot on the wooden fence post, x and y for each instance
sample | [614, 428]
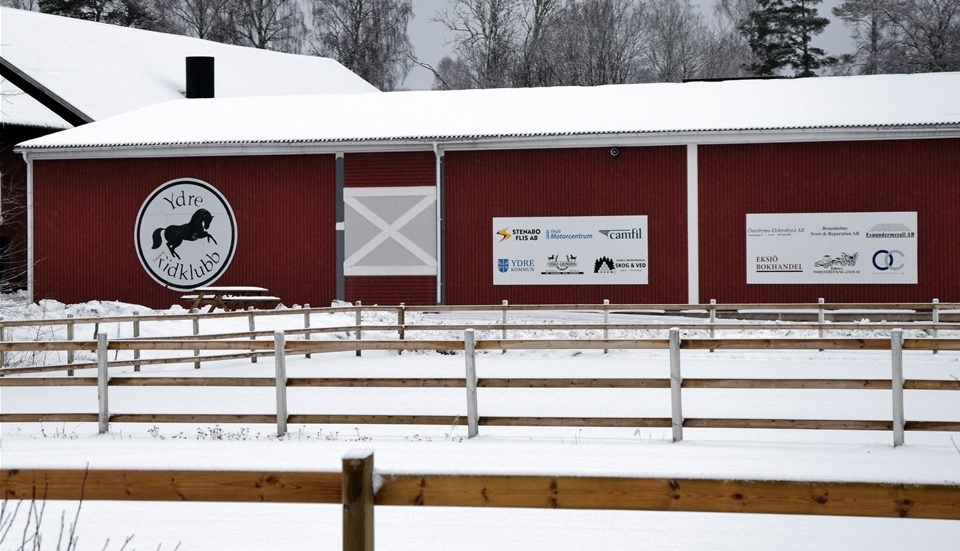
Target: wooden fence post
[676, 408]
[935, 314]
[359, 321]
[503, 320]
[136, 333]
[606, 321]
[821, 318]
[196, 331]
[357, 497]
[470, 359]
[70, 353]
[103, 379]
[306, 324]
[401, 323]
[252, 325]
[280, 358]
[713, 318]
[896, 383]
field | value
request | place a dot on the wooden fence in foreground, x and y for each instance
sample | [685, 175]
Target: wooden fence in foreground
[355, 489]
[676, 421]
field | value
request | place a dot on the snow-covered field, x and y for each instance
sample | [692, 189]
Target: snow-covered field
[760, 454]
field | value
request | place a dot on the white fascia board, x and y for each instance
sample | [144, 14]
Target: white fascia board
[502, 143]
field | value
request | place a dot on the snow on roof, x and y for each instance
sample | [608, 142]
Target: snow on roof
[19, 108]
[104, 70]
[921, 100]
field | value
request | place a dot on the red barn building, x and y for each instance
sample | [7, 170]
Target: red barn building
[741, 191]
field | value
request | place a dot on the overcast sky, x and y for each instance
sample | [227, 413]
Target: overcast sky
[432, 41]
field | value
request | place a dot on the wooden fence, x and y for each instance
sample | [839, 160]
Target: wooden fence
[354, 487]
[928, 317]
[279, 347]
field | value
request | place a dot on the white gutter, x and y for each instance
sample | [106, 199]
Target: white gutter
[30, 230]
[438, 177]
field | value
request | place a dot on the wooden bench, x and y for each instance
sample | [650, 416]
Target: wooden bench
[238, 297]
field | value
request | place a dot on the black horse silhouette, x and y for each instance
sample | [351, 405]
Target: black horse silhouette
[195, 229]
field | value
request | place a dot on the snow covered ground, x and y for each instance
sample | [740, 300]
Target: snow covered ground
[760, 454]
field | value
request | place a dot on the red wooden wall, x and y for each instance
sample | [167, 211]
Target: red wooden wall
[390, 170]
[564, 182]
[86, 211]
[876, 176]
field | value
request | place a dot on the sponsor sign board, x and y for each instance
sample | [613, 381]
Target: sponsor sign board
[836, 247]
[570, 250]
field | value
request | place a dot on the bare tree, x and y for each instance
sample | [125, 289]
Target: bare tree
[486, 39]
[369, 37]
[729, 50]
[538, 20]
[601, 42]
[928, 34]
[902, 36]
[207, 19]
[28, 5]
[270, 24]
[678, 40]
[872, 34]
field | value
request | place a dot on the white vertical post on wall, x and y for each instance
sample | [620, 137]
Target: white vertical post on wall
[136, 333]
[252, 325]
[693, 224]
[306, 324]
[676, 381]
[470, 359]
[606, 320]
[103, 414]
[896, 383]
[280, 359]
[2, 337]
[196, 331]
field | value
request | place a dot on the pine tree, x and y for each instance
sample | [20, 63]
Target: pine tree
[780, 33]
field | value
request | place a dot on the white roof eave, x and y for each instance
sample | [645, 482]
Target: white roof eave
[466, 143]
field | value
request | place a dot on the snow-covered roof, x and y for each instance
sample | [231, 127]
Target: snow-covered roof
[103, 70]
[921, 104]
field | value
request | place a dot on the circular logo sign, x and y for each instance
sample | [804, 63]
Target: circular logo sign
[186, 234]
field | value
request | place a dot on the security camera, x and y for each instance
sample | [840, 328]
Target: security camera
[614, 151]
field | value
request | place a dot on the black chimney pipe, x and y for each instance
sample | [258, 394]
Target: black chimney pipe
[199, 77]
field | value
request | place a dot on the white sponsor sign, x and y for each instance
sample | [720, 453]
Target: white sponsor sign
[574, 250]
[836, 247]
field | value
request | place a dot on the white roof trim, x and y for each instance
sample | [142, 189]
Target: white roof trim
[427, 144]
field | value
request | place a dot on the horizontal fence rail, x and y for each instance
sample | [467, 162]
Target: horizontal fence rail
[279, 347]
[359, 488]
[928, 317]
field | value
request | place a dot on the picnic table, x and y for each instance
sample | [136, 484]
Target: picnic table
[235, 297]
